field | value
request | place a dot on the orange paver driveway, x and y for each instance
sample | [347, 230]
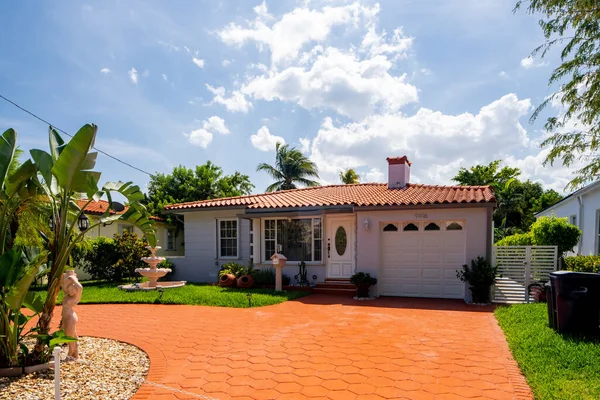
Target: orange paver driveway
[316, 347]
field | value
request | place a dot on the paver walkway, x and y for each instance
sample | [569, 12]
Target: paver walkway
[317, 347]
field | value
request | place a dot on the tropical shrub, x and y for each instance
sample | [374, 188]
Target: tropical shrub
[130, 250]
[285, 280]
[234, 269]
[264, 276]
[554, 231]
[589, 263]
[115, 259]
[480, 273]
[167, 264]
[361, 278]
[519, 239]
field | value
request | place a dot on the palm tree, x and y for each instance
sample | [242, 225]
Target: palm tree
[349, 177]
[291, 168]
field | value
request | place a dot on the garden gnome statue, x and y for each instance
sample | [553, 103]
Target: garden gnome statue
[72, 289]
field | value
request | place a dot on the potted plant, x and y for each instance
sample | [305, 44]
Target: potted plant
[362, 281]
[246, 281]
[229, 274]
[480, 276]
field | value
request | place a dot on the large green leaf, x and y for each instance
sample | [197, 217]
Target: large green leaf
[72, 158]
[20, 178]
[56, 143]
[44, 163]
[34, 301]
[86, 182]
[8, 145]
[16, 294]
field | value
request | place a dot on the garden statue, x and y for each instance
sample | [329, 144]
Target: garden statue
[72, 289]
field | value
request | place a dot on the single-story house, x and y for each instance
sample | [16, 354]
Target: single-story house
[582, 208]
[412, 237]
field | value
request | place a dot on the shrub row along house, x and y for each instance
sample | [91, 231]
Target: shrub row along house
[582, 208]
[412, 237]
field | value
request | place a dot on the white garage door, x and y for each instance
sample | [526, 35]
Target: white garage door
[420, 259]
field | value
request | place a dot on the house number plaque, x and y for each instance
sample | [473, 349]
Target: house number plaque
[420, 215]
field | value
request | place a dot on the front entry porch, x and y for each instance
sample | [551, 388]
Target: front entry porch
[341, 247]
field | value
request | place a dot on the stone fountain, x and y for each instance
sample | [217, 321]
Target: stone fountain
[153, 273]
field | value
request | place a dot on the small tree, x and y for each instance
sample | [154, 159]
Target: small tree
[554, 231]
[130, 251]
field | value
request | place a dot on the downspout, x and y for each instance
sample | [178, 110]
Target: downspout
[580, 222]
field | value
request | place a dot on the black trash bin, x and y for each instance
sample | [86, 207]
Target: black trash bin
[574, 304]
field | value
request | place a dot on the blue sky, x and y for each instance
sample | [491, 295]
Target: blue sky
[447, 83]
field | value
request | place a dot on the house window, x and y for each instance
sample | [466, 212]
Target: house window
[390, 228]
[411, 227]
[126, 228]
[228, 238]
[454, 226]
[573, 220]
[298, 239]
[171, 242]
[432, 226]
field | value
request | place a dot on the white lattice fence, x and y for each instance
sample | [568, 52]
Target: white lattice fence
[519, 266]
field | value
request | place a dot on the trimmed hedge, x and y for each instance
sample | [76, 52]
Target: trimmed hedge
[583, 263]
[519, 239]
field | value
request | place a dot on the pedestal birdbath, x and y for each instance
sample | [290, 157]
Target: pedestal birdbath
[153, 273]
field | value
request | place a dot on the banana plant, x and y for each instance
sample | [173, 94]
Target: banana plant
[64, 175]
[18, 269]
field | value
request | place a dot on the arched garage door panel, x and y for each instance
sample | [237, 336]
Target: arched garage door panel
[422, 263]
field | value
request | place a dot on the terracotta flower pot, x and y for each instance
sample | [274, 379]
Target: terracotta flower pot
[245, 282]
[480, 294]
[227, 280]
[11, 372]
[362, 290]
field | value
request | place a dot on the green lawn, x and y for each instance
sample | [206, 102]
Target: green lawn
[556, 366]
[194, 294]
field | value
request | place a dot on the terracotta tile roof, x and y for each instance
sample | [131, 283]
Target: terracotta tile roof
[360, 195]
[99, 207]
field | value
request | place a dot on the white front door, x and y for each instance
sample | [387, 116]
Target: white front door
[340, 247]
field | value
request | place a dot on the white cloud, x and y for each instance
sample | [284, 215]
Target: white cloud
[262, 12]
[216, 124]
[226, 63]
[133, 75]
[187, 49]
[263, 140]
[374, 175]
[146, 73]
[165, 77]
[304, 145]
[236, 103]
[200, 138]
[169, 46]
[287, 36]
[530, 62]
[432, 140]
[105, 70]
[198, 62]
[339, 81]
[503, 74]
[203, 137]
[374, 44]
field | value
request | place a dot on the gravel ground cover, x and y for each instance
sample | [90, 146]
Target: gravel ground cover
[107, 369]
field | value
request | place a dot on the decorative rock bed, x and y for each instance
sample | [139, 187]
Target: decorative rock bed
[107, 369]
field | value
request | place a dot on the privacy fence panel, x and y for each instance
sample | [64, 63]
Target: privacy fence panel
[519, 266]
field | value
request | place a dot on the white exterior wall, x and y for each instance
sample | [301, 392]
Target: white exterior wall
[201, 262]
[477, 224]
[586, 217]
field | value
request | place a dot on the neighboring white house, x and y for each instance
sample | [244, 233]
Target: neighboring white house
[582, 208]
[412, 237]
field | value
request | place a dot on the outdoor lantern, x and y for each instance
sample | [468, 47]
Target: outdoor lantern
[367, 225]
[51, 222]
[83, 222]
